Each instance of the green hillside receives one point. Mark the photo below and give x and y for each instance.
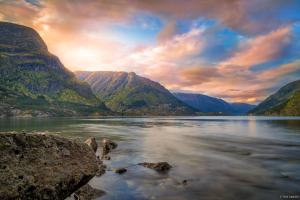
(34, 82)
(285, 102)
(130, 94)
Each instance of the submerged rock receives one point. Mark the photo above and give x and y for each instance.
(159, 167)
(92, 143)
(35, 166)
(120, 170)
(107, 146)
(184, 182)
(88, 193)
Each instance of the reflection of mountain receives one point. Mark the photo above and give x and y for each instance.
(286, 101)
(292, 124)
(131, 94)
(209, 104)
(34, 82)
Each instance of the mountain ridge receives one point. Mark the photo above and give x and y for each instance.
(208, 104)
(129, 93)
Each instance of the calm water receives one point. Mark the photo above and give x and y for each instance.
(220, 157)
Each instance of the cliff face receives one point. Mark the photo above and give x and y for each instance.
(35, 166)
(33, 81)
(131, 94)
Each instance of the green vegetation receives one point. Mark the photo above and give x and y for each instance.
(285, 102)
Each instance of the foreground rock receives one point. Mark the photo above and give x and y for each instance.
(159, 167)
(35, 166)
(88, 193)
(92, 143)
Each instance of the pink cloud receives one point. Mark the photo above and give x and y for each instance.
(177, 48)
(279, 72)
(261, 49)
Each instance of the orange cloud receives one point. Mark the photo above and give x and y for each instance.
(198, 75)
(18, 11)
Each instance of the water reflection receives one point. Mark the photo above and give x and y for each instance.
(220, 157)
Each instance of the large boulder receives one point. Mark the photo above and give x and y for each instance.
(39, 166)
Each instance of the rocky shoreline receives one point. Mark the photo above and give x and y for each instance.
(42, 166)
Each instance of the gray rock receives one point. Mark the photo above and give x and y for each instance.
(92, 143)
(120, 170)
(159, 167)
(40, 166)
(107, 146)
(184, 182)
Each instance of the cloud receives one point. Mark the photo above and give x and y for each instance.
(251, 17)
(180, 46)
(243, 85)
(278, 73)
(168, 31)
(18, 11)
(198, 75)
(232, 79)
(162, 62)
(261, 49)
(80, 33)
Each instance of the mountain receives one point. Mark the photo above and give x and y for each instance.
(35, 82)
(286, 101)
(241, 108)
(209, 104)
(130, 94)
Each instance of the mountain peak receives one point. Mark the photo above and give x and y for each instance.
(15, 36)
(129, 93)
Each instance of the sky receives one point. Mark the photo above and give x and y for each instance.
(238, 50)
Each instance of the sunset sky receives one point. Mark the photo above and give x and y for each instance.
(239, 50)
